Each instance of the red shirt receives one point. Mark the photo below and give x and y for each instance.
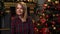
(18, 27)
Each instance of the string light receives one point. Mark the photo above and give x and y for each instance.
(43, 14)
(56, 2)
(40, 16)
(37, 30)
(53, 15)
(49, 0)
(52, 25)
(54, 28)
(45, 4)
(38, 24)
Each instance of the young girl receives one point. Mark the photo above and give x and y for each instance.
(21, 23)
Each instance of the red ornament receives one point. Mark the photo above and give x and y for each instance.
(43, 20)
(48, 6)
(35, 28)
(46, 24)
(47, 16)
(44, 7)
(41, 17)
(57, 14)
(45, 30)
(53, 22)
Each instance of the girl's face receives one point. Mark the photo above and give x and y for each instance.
(19, 9)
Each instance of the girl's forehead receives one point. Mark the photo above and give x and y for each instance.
(19, 5)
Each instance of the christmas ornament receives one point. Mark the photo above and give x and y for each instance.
(47, 16)
(53, 22)
(35, 28)
(48, 6)
(46, 25)
(43, 20)
(44, 7)
(45, 30)
(57, 14)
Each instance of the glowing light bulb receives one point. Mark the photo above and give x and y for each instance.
(56, 2)
(38, 24)
(49, 0)
(37, 30)
(43, 14)
(45, 4)
(52, 25)
(53, 14)
(54, 28)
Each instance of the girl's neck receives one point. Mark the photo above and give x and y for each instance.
(22, 19)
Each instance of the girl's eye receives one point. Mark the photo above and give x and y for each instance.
(17, 8)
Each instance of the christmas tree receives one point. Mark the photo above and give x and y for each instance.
(48, 21)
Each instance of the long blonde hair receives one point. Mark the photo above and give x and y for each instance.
(24, 8)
